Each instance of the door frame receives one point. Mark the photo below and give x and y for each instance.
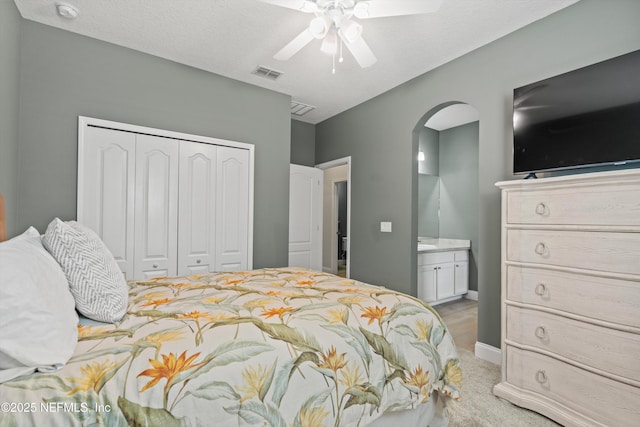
(334, 238)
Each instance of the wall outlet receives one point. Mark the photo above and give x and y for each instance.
(385, 227)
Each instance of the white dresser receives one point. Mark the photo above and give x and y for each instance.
(571, 297)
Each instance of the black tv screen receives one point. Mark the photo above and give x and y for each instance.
(586, 117)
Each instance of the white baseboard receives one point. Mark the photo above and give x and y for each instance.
(472, 295)
(488, 353)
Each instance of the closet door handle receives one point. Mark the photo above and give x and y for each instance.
(541, 208)
(541, 248)
(540, 289)
(541, 376)
(541, 332)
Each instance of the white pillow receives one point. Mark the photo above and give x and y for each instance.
(95, 280)
(39, 325)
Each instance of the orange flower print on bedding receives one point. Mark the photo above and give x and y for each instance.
(374, 313)
(313, 417)
(332, 361)
(157, 302)
(88, 330)
(255, 380)
(169, 368)
(196, 315)
(418, 378)
(281, 311)
(453, 373)
(92, 377)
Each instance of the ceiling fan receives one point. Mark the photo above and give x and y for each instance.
(335, 23)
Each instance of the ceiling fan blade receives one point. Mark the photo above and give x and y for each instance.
(383, 8)
(361, 52)
(299, 5)
(301, 40)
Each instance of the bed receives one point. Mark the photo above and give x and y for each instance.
(267, 347)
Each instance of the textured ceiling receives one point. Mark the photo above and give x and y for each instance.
(233, 37)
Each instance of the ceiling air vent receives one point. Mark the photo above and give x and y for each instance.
(299, 109)
(267, 73)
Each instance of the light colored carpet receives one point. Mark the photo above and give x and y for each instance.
(478, 407)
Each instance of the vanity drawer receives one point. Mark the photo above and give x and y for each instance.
(604, 400)
(435, 257)
(603, 251)
(606, 349)
(607, 299)
(461, 255)
(605, 204)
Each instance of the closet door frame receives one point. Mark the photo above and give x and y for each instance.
(86, 122)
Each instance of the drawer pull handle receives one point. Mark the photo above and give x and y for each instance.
(198, 261)
(540, 289)
(541, 248)
(540, 332)
(155, 265)
(541, 376)
(541, 208)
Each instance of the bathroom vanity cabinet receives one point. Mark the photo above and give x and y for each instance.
(443, 274)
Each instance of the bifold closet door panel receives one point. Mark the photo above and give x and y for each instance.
(232, 210)
(156, 211)
(197, 208)
(106, 191)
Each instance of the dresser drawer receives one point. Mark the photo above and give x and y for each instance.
(611, 300)
(606, 349)
(602, 251)
(604, 400)
(605, 204)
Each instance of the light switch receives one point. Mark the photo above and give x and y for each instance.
(385, 227)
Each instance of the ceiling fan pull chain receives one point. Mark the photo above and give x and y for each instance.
(333, 71)
(341, 59)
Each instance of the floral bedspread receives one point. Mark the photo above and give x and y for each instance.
(270, 347)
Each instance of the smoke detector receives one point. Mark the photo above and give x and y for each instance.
(67, 11)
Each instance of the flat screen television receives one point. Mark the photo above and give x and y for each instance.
(586, 117)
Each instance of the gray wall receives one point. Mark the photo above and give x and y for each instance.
(381, 136)
(429, 206)
(429, 183)
(9, 101)
(64, 75)
(459, 189)
(429, 144)
(303, 143)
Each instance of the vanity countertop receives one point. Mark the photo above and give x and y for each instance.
(431, 244)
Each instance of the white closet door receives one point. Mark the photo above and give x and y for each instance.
(197, 203)
(232, 210)
(106, 191)
(156, 207)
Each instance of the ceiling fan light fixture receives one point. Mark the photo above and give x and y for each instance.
(319, 27)
(330, 43)
(361, 10)
(309, 7)
(350, 30)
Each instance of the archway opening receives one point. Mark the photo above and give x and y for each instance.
(446, 148)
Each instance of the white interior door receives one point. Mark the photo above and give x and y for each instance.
(106, 191)
(156, 222)
(232, 210)
(196, 208)
(305, 217)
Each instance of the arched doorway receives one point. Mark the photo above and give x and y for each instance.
(447, 152)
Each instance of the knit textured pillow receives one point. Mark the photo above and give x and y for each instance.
(95, 280)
